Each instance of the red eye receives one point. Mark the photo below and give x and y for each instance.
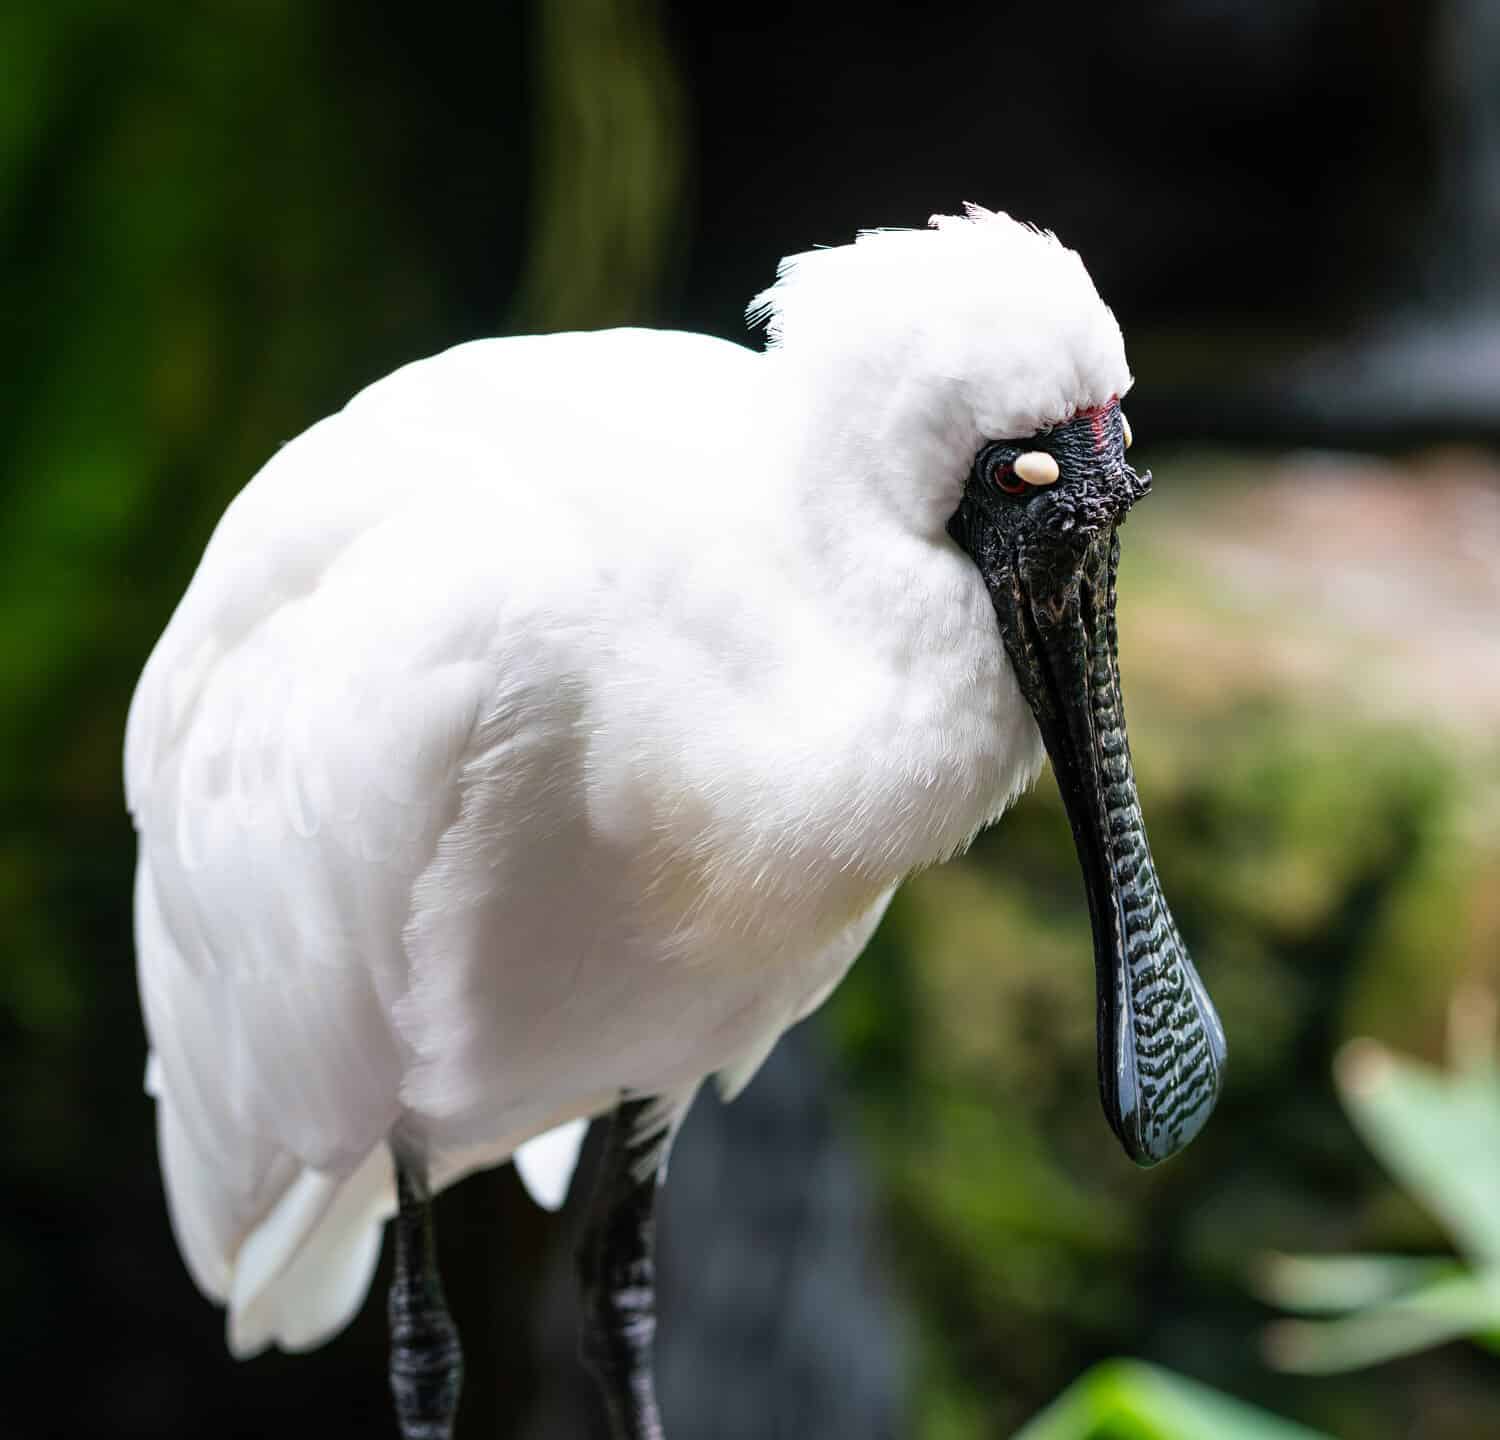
(1008, 480)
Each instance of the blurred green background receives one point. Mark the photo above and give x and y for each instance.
(219, 221)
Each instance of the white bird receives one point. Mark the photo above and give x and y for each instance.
(548, 730)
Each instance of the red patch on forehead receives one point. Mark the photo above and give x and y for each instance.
(1098, 418)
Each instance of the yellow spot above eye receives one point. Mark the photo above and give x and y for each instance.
(1036, 467)
(1125, 426)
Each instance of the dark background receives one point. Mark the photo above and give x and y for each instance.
(217, 222)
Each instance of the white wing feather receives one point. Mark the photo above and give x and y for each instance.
(294, 754)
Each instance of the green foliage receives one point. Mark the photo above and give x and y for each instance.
(1125, 1400)
(1439, 1134)
(610, 166)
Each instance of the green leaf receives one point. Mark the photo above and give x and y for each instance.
(1328, 1284)
(1456, 1308)
(1129, 1400)
(1439, 1134)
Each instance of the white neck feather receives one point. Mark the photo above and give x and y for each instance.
(912, 733)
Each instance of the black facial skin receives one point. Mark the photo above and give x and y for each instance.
(1048, 556)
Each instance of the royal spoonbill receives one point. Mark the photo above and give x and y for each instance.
(548, 730)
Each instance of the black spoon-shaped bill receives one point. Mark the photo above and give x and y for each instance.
(1049, 561)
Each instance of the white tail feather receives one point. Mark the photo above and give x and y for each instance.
(302, 1273)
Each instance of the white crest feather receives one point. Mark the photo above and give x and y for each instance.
(998, 307)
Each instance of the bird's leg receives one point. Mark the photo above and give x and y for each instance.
(427, 1363)
(617, 1267)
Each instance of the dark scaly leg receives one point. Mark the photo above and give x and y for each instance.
(427, 1363)
(617, 1267)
